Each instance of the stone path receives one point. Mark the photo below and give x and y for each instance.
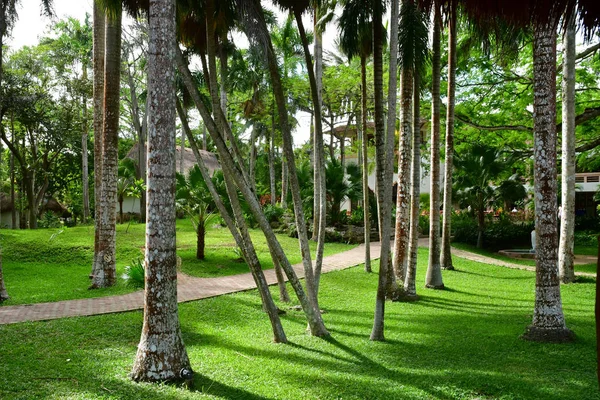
(190, 288)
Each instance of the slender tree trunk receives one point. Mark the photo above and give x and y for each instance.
(319, 156)
(446, 255)
(84, 154)
(121, 211)
(98, 98)
(241, 236)
(13, 211)
(415, 188)
(548, 320)
(161, 354)
(272, 163)
(433, 277)
(105, 274)
(142, 160)
(567, 226)
(28, 182)
(402, 198)
(313, 316)
(252, 160)
(284, 184)
(384, 154)
(181, 153)
(365, 163)
(200, 236)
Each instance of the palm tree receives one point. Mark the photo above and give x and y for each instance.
(104, 269)
(356, 35)
(445, 253)
(433, 277)
(122, 190)
(161, 354)
(239, 231)
(566, 271)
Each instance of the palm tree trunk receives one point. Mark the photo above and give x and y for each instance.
(241, 236)
(433, 278)
(567, 226)
(13, 211)
(161, 354)
(548, 319)
(98, 98)
(271, 156)
(320, 187)
(446, 255)
(252, 159)
(105, 273)
(314, 318)
(415, 189)
(365, 162)
(84, 153)
(384, 152)
(200, 236)
(284, 184)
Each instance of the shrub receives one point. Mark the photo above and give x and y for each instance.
(49, 220)
(134, 274)
(357, 217)
(499, 234)
(586, 238)
(273, 213)
(424, 224)
(586, 223)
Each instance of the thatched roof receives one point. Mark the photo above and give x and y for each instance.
(189, 160)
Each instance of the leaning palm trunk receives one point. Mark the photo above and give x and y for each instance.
(229, 167)
(161, 354)
(105, 273)
(98, 96)
(548, 319)
(446, 255)
(434, 273)
(365, 163)
(241, 236)
(320, 188)
(384, 153)
(567, 217)
(415, 192)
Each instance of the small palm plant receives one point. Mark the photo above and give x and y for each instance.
(195, 200)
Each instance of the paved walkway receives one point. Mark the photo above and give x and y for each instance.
(190, 288)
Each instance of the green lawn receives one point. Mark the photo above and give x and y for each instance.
(460, 343)
(54, 264)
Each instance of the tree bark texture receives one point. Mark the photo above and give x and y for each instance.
(566, 257)
(365, 163)
(245, 243)
(271, 155)
(410, 287)
(384, 154)
(105, 272)
(161, 354)
(404, 156)
(446, 255)
(434, 273)
(548, 319)
(98, 123)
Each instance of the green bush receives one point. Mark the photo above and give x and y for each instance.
(586, 238)
(357, 217)
(424, 224)
(49, 220)
(586, 223)
(498, 234)
(273, 213)
(134, 274)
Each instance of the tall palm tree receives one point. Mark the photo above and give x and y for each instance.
(445, 253)
(566, 271)
(356, 36)
(104, 269)
(383, 170)
(433, 277)
(161, 354)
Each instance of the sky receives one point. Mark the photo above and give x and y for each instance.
(32, 24)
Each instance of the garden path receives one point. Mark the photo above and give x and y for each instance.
(191, 288)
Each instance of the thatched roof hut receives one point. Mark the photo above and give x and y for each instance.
(189, 160)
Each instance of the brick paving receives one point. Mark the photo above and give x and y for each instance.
(190, 288)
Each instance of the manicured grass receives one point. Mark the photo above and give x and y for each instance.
(54, 264)
(459, 343)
